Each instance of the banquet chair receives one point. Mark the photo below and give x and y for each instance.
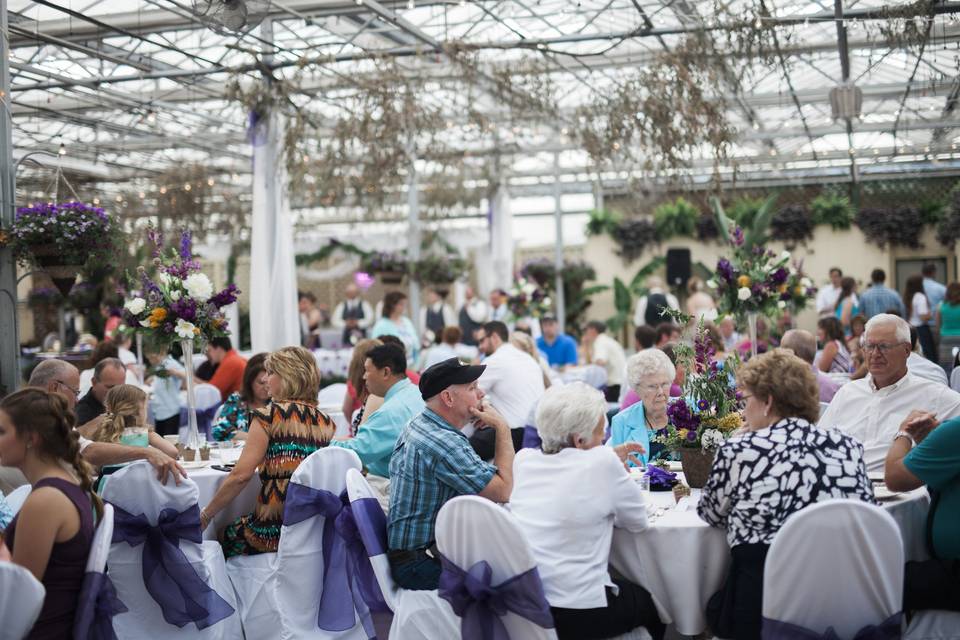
(955, 379)
(934, 625)
(178, 561)
(17, 497)
(823, 408)
(477, 535)
(332, 395)
(21, 598)
(98, 601)
(835, 564)
(417, 615)
(279, 593)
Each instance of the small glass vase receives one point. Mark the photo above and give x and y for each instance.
(752, 327)
(193, 435)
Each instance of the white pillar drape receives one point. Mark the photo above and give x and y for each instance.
(501, 239)
(274, 318)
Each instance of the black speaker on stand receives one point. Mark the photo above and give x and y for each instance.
(678, 267)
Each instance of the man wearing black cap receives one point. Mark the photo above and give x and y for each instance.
(434, 462)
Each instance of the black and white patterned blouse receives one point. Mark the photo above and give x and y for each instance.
(761, 477)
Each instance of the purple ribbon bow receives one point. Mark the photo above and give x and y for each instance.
(169, 577)
(889, 629)
(660, 477)
(349, 582)
(96, 607)
(204, 418)
(480, 605)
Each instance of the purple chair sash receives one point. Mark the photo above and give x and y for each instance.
(168, 576)
(96, 607)
(889, 629)
(480, 605)
(349, 582)
(204, 418)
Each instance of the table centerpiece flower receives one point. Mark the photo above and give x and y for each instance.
(707, 413)
(526, 299)
(178, 305)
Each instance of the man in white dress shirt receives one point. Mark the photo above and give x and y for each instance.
(827, 296)
(512, 382)
(498, 305)
(353, 316)
(606, 352)
(872, 409)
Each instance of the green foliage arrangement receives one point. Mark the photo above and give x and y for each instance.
(677, 218)
(602, 221)
(833, 209)
(744, 211)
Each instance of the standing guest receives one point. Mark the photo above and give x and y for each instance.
(473, 314)
(644, 337)
(165, 391)
(649, 309)
(358, 398)
(512, 383)
(435, 315)
(847, 304)
(650, 374)
(872, 409)
(280, 437)
(778, 465)
(354, 316)
(228, 377)
(572, 546)
(804, 346)
(52, 533)
(604, 351)
(310, 319)
(728, 329)
(233, 421)
(126, 408)
(498, 305)
(880, 298)
(926, 451)
(919, 313)
(921, 367)
(835, 358)
(384, 375)
(700, 305)
(828, 294)
(667, 332)
(948, 323)
(934, 290)
(108, 373)
(560, 349)
(433, 462)
(112, 320)
(395, 323)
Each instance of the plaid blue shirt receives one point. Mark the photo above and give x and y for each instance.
(878, 298)
(432, 463)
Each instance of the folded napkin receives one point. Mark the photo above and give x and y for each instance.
(660, 478)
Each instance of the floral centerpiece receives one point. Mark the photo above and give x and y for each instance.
(65, 238)
(527, 300)
(390, 265)
(179, 305)
(707, 413)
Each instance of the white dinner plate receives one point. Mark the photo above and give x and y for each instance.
(880, 492)
(875, 476)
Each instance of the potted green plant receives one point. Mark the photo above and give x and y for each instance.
(438, 269)
(390, 266)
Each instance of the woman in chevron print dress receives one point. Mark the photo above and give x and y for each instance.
(281, 436)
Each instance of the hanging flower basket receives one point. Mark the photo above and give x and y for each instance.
(389, 267)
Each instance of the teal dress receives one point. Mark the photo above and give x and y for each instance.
(233, 417)
(854, 310)
(630, 425)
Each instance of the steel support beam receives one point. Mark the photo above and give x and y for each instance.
(9, 326)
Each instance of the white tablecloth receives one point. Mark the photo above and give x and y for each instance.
(682, 561)
(209, 480)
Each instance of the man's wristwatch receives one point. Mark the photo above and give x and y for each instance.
(904, 434)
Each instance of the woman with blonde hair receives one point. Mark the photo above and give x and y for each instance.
(125, 421)
(524, 342)
(280, 437)
(778, 464)
(52, 533)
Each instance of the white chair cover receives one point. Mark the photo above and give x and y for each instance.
(955, 379)
(823, 407)
(21, 598)
(135, 489)
(17, 497)
(837, 563)
(471, 529)
(93, 579)
(279, 593)
(332, 396)
(934, 625)
(206, 396)
(417, 615)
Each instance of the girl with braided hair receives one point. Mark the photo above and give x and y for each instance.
(52, 533)
(126, 407)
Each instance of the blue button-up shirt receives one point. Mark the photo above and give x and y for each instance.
(165, 399)
(432, 463)
(879, 299)
(377, 436)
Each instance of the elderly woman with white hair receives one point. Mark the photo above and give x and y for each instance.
(650, 374)
(567, 496)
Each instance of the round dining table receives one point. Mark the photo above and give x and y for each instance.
(209, 479)
(682, 561)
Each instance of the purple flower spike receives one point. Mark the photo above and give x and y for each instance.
(186, 246)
